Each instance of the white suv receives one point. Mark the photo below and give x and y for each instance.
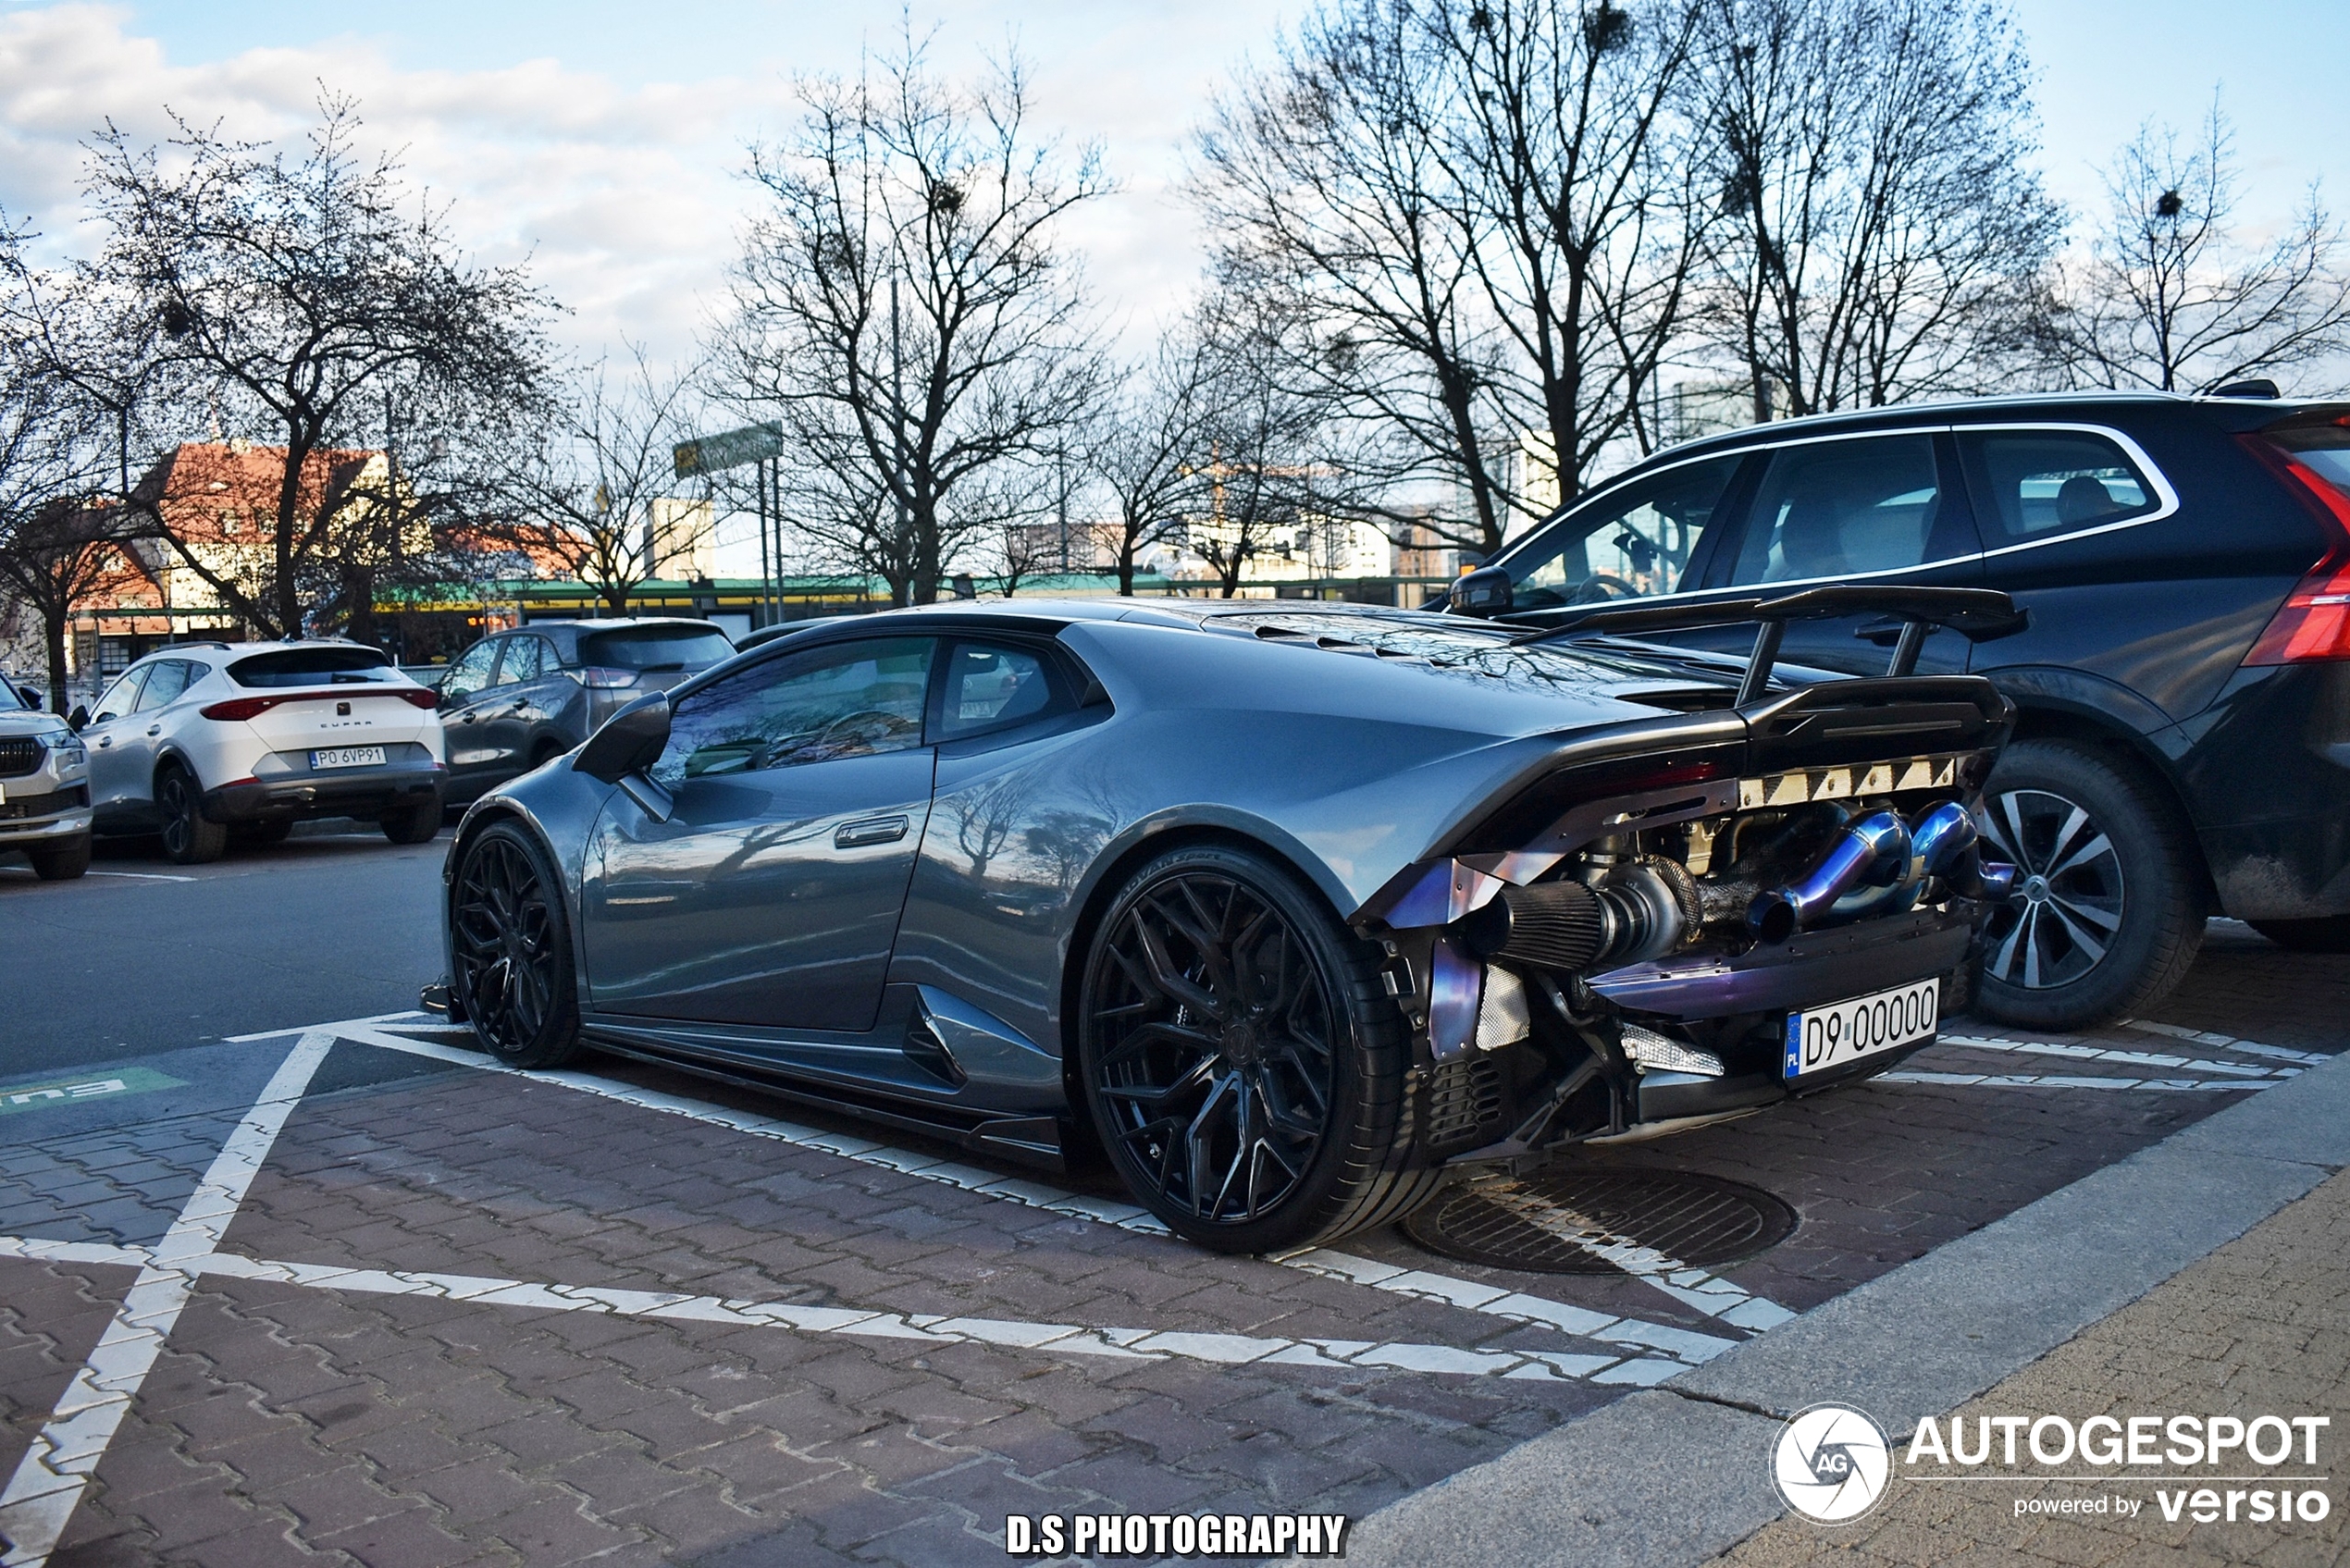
(45, 790)
(199, 739)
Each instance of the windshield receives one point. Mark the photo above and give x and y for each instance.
(311, 667)
(655, 647)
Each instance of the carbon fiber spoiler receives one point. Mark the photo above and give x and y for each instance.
(1977, 615)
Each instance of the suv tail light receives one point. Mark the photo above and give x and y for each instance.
(2314, 622)
(253, 707)
(598, 679)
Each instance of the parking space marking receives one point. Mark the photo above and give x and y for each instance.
(1688, 1346)
(2227, 1043)
(1065, 1338)
(2108, 1054)
(145, 876)
(48, 1483)
(2030, 1080)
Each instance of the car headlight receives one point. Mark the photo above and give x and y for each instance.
(67, 748)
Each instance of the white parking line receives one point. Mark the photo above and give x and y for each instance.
(145, 876)
(1689, 1345)
(2028, 1080)
(2227, 1042)
(49, 1481)
(2108, 1053)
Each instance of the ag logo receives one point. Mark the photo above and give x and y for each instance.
(1831, 1463)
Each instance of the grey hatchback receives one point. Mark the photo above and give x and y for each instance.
(516, 698)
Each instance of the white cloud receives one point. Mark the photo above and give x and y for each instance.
(625, 200)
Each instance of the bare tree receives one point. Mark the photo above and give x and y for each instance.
(1262, 464)
(1884, 223)
(1150, 447)
(62, 537)
(905, 310)
(310, 300)
(1487, 208)
(2171, 300)
(594, 497)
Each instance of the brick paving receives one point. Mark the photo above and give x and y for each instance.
(2258, 1326)
(287, 1423)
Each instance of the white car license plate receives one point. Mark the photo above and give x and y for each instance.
(1842, 1033)
(348, 757)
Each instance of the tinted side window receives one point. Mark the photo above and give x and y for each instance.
(2046, 482)
(990, 686)
(849, 699)
(1831, 509)
(165, 682)
(526, 659)
(471, 672)
(1626, 546)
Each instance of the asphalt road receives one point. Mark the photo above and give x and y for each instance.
(142, 955)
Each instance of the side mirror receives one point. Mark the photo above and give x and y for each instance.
(629, 741)
(79, 719)
(1485, 593)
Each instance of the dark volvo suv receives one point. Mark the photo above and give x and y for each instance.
(2183, 687)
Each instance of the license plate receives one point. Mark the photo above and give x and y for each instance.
(348, 757)
(1843, 1032)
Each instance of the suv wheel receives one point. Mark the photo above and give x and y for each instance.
(415, 824)
(188, 838)
(1242, 1065)
(2108, 909)
(60, 862)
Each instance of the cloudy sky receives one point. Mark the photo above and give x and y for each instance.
(604, 140)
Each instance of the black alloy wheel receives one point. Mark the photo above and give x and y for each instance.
(188, 838)
(1242, 1065)
(2108, 910)
(511, 947)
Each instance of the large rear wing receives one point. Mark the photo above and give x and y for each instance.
(1977, 615)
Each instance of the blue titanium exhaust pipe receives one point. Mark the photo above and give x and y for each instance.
(1874, 850)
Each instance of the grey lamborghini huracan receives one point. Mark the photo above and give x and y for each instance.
(1285, 909)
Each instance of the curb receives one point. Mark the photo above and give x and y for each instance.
(1679, 1473)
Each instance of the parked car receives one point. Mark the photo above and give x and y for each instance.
(2182, 692)
(1289, 909)
(199, 741)
(516, 698)
(45, 787)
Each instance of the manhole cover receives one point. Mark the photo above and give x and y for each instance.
(1603, 1221)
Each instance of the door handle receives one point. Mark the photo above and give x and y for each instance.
(870, 830)
(155, 729)
(105, 741)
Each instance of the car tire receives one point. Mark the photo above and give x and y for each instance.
(414, 824)
(188, 837)
(1222, 999)
(2324, 934)
(2110, 905)
(60, 862)
(510, 940)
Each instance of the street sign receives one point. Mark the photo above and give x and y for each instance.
(753, 443)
